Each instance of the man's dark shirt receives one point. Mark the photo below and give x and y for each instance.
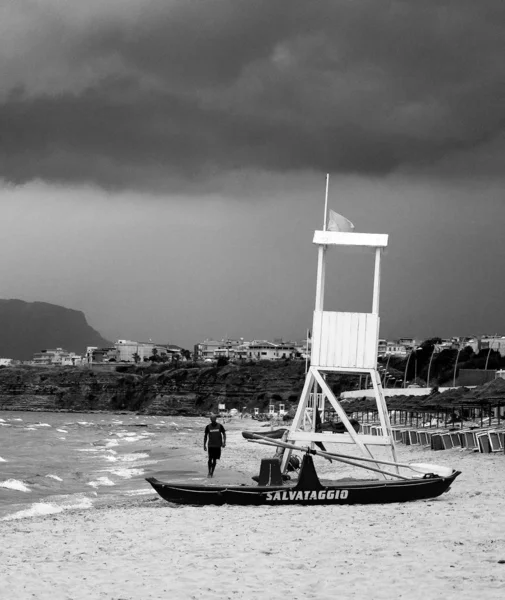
(215, 431)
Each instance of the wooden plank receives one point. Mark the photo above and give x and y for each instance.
(361, 341)
(321, 274)
(371, 341)
(376, 282)
(346, 336)
(353, 342)
(327, 338)
(333, 320)
(339, 339)
(338, 438)
(317, 327)
(344, 370)
(344, 238)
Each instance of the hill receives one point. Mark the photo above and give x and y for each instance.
(28, 327)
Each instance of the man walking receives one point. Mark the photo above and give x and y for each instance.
(215, 434)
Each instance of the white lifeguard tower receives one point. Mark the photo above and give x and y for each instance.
(342, 342)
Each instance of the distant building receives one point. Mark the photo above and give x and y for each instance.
(99, 355)
(89, 354)
(235, 353)
(492, 342)
(212, 349)
(396, 349)
(132, 351)
(56, 356)
(409, 343)
(205, 350)
(6, 362)
(387, 348)
(459, 343)
(72, 360)
(264, 350)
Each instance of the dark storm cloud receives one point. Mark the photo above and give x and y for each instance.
(128, 94)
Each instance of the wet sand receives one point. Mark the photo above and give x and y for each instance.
(450, 547)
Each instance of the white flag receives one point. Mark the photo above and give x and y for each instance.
(337, 222)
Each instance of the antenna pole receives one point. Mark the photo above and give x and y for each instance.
(326, 201)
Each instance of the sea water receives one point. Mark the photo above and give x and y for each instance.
(51, 462)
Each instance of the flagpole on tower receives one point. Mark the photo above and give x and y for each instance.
(326, 201)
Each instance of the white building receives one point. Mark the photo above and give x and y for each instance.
(493, 342)
(264, 350)
(56, 356)
(396, 349)
(212, 349)
(205, 350)
(236, 353)
(131, 351)
(409, 343)
(72, 360)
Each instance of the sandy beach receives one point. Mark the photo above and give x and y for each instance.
(451, 547)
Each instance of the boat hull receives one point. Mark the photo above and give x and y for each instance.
(348, 492)
(275, 434)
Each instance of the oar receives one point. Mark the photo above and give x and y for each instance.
(270, 442)
(418, 467)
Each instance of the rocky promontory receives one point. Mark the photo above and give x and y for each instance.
(29, 327)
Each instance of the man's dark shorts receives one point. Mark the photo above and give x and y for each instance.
(215, 453)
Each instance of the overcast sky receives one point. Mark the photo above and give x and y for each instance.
(162, 162)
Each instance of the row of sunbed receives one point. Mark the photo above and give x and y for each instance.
(485, 440)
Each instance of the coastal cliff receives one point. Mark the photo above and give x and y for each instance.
(194, 390)
(153, 389)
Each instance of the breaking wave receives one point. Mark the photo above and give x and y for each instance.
(15, 484)
(50, 508)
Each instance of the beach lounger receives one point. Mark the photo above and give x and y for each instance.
(397, 435)
(483, 442)
(414, 438)
(456, 440)
(447, 441)
(470, 440)
(424, 438)
(495, 441)
(376, 430)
